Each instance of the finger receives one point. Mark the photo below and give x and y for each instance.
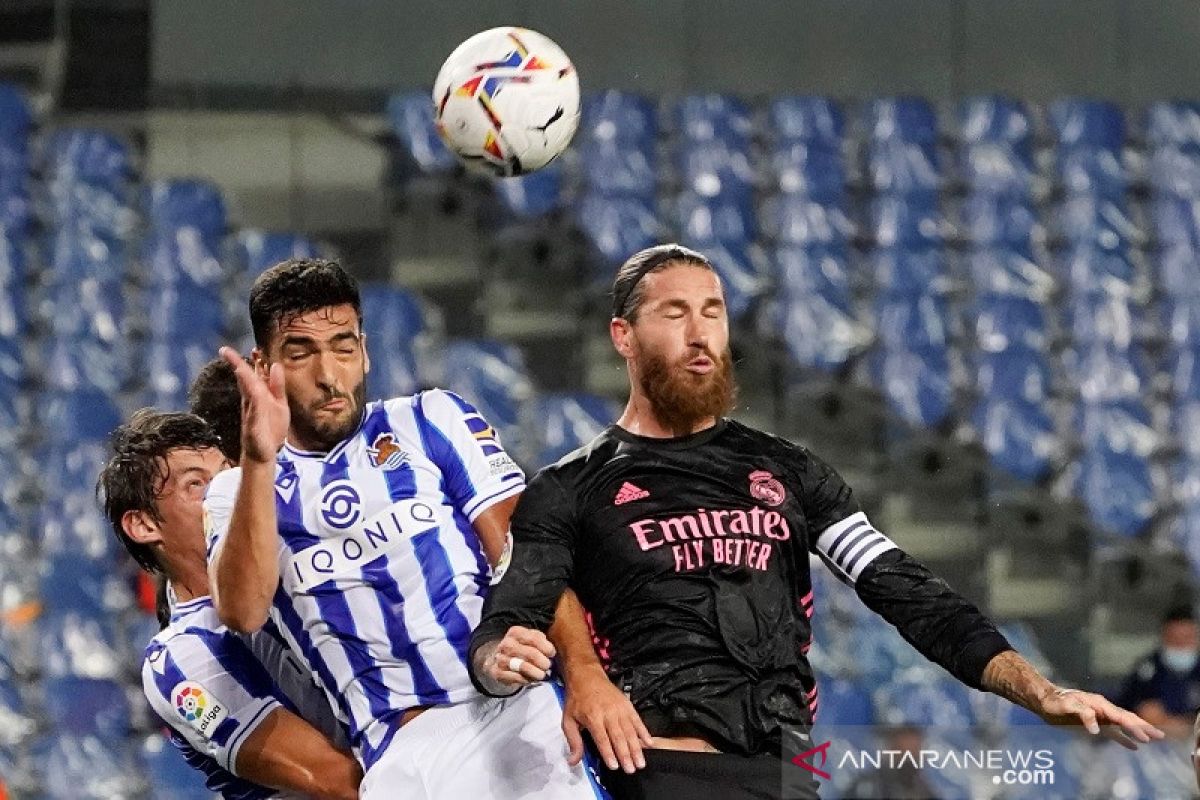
(640, 727)
(535, 639)
(574, 740)
(530, 655)
(621, 746)
(510, 678)
(275, 381)
(633, 740)
(604, 746)
(1088, 717)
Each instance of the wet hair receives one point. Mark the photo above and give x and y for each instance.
(214, 397)
(298, 286)
(137, 470)
(627, 289)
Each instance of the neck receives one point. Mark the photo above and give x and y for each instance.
(189, 580)
(639, 419)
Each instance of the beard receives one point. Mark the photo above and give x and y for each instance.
(324, 434)
(681, 399)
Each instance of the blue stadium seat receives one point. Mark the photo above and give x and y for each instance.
(797, 220)
(1103, 372)
(1098, 318)
(1174, 123)
(1092, 171)
(1093, 270)
(1000, 220)
(168, 773)
(75, 254)
(1184, 368)
(943, 703)
(16, 118)
(397, 330)
(807, 119)
(991, 118)
(87, 706)
(845, 702)
(1003, 322)
(997, 168)
(728, 219)
(78, 767)
(1014, 373)
(823, 271)
(1076, 121)
(1018, 435)
(75, 416)
(905, 119)
(617, 227)
(92, 210)
(493, 375)
(1117, 490)
(567, 422)
(16, 212)
(907, 220)
(256, 250)
(1181, 319)
(740, 278)
(1175, 171)
(1176, 220)
(79, 644)
(612, 167)
(903, 167)
(16, 721)
(1102, 221)
(72, 582)
(1119, 426)
(820, 332)
(707, 117)
(182, 256)
(616, 116)
(811, 170)
(533, 195)
(170, 368)
(716, 167)
(916, 384)
(1185, 428)
(411, 118)
(999, 270)
(87, 308)
(177, 203)
(81, 155)
(913, 321)
(879, 653)
(84, 364)
(910, 271)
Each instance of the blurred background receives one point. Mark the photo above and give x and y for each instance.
(959, 241)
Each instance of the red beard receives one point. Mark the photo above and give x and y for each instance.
(681, 399)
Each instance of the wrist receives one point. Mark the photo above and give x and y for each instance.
(580, 673)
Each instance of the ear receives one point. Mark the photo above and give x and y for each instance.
(141, 527)
(366, 355)
(621, 333)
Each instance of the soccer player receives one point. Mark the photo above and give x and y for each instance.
(237, 706)
(687, 537)
(370, 533)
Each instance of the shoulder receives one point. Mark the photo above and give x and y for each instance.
(440, 402)
(581, 462)
(749, 439)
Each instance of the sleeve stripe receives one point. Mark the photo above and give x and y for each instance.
(484, 503)
(852, 544)
(235, 744)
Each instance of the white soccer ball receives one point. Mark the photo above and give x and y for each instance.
(507, 101)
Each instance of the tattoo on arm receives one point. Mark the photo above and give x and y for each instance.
(1015, 679)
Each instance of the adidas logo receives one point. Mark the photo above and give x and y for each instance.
(628, 493)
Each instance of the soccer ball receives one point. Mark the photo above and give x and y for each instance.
(507, 101)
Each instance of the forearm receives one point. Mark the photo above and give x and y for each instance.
(287, 753)
(246, 568)
(1009, 675)
(572, 638)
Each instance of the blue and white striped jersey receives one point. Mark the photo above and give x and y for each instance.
(213, 687)
(382, 574)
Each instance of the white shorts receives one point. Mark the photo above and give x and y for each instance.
(483, 749)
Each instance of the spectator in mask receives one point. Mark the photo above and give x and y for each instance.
(1164, 687)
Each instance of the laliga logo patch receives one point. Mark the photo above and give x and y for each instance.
(198, 707)
(764, 487)
(385, 453)
(340, 505)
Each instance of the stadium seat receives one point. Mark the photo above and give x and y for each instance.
(1183, 367)
(819, 331)
(84, 645)
(1117, 490)
(913, 321)
(902, 167)
(845, 702)
(910, 271)
(906, 119)
(257, 250)
(716, 167)
(184, 256)
(87, 706)
(741, 280)
(1098, 318)
(70, 581)
(1120, 426)
(411, 118)
(1101, 221)
(567, 421)
(1017, 435)
(1092, 123)
(177, 203)
(992, 220)
(612, 167)
(996, 168)
(1181, 319)
(16, 118)
(797, 220)
(1173, 123)
(907, 221)
(728, 219)
(807, 119)
(998, 270)
(493, 375)
(1175, 171)
(169, 775)
(811, 170)
(1013, 373)
(68, 466)
(991, 118)
(943, 703)
(824, 271)
(710, 117)
(1002, 322)
(1103, 373)
(533, 195)
(1092, 270)
(916, 384)
(81, 155)
(75, 767)
(616, 116)
(87, 308)
(398, 337)
(879, 654)
(74, 527)
(1092, 172)
(92, 210)
(1176, 221)
(1177, 268)
(16, 721)
(617, 227)
(81, 254)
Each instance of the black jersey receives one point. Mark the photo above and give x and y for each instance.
(692, 556)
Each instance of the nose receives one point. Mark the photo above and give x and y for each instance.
(697, 332)
(326, 374)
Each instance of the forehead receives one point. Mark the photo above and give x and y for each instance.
(180, 459)
(320, 323)
(681, 281)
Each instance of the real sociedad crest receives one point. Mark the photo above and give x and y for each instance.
(385, 453)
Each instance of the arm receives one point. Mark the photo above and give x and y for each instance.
(285, 752)
(492, 528)
(245, 568)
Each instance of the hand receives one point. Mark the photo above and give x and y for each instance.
(1097, 715)
(265, 413)
(594, 704)
(522, 657)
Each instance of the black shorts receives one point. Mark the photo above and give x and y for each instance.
(683, 775)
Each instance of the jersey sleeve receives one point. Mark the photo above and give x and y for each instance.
(218, 507)
(478, 472)
(210, 690)
(543, 550)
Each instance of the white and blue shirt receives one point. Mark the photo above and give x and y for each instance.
(214, 687)
(382, 576)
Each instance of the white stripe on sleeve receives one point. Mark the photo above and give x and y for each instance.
(852, 544)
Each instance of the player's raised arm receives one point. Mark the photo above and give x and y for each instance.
(245, 568)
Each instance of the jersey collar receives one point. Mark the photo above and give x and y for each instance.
(337, 448)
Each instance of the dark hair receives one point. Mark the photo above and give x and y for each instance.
(1179, 613)
(137, 470)
(214, 397)
(295, 287)
(627, 289)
